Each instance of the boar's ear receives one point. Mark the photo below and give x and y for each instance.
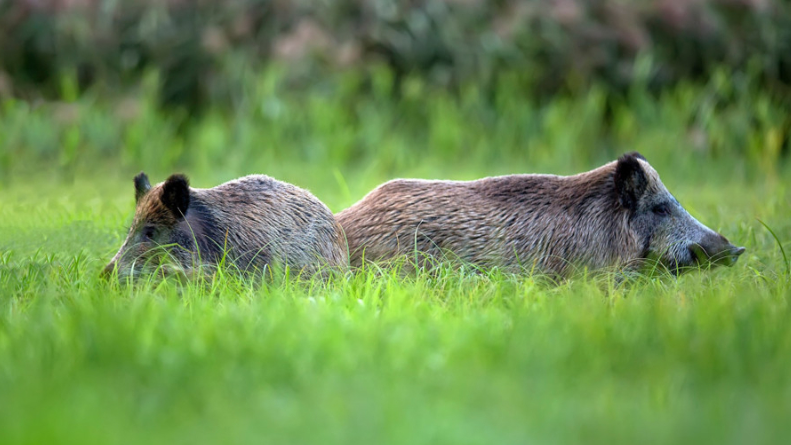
(142, 186)
(634, 154)
(176, 195)
(630, 180)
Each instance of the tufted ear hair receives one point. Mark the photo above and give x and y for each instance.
(142, 186)
(176, 195)
(630, 180)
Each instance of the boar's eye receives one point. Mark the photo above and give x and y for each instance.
(148, 233)
(661, 210)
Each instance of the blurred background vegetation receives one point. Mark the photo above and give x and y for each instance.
(545, 47)
(354, 85)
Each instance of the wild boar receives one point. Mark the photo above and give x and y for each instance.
(253, 223)
(618, 216)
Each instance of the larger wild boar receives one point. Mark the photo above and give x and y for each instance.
(253, 223)
(614, 217)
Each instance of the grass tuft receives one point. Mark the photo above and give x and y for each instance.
(786, 262)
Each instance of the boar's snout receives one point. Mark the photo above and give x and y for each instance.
(107, 271)
(715, 250)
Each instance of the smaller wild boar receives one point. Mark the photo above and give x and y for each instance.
(253, 222)
(618, 216)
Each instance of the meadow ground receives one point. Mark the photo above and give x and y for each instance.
(451, 357)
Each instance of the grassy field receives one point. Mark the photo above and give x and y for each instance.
(452, 357)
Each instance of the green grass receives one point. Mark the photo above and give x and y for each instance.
(451, 357)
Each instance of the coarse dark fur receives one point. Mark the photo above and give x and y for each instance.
(253, 222)
(616, 216)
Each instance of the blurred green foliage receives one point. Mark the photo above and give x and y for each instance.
(362, 138)
(355, 81)
(543, 47)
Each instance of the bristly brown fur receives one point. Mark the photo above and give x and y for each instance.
(545, 223)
